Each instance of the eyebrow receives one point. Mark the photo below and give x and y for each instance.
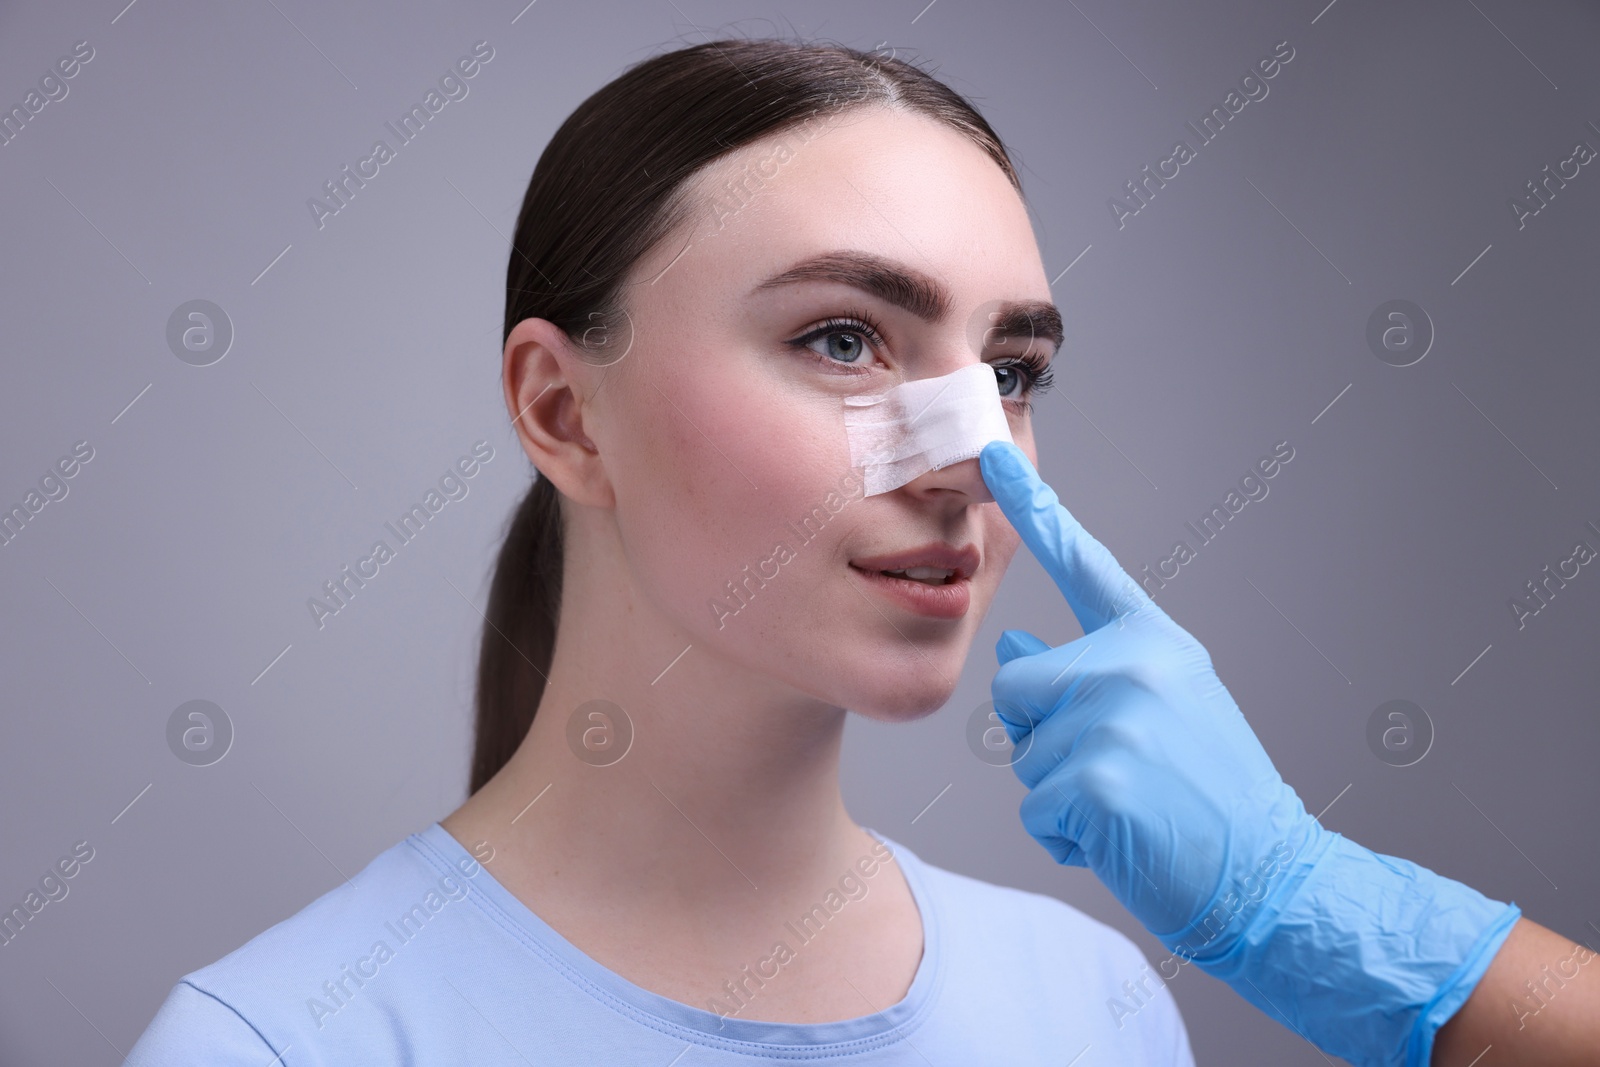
(920, 294)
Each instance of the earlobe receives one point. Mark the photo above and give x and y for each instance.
(546, 400)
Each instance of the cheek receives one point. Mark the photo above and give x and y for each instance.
(1022, 435)
(1000, 543)
(730, 435)
(715, 475)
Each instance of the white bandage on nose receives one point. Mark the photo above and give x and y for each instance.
(923, 425)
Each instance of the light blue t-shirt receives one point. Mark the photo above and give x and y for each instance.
(425, 959)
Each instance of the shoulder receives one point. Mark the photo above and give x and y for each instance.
(291, 977)
(397, 893)
(194, 1027)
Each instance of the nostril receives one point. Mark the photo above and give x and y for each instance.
(963, 476)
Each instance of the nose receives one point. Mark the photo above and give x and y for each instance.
(963, 478)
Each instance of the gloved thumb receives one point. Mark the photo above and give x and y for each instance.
(1014, 643)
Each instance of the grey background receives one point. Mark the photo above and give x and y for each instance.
(1207, 329)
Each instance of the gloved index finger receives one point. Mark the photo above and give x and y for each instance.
(1096, 587)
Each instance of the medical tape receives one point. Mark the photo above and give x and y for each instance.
(923, 425)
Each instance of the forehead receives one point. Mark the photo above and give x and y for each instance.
(894, 183)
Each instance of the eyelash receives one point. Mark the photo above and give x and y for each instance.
(1038, 375)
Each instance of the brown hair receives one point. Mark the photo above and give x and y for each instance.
(611, 183)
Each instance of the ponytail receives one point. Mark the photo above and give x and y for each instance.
(519, 633)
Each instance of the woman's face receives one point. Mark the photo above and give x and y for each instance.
(722, 434)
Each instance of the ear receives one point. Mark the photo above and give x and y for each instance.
(547, 387)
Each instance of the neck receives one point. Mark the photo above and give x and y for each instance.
(729, 783)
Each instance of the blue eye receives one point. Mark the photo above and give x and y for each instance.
(851, 345)
(1035, 374)
(847, 340)
(1030, 376)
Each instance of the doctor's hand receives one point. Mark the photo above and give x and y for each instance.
(1141, 767)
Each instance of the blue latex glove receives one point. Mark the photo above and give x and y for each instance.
(1141, 767)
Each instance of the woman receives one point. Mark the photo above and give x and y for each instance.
(655, 864)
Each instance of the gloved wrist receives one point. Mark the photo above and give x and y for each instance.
(1365, 955)
(1262, 879)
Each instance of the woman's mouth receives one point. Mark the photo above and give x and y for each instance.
(945, 596)
(940, 592)
(931, 575)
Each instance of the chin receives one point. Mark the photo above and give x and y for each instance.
(906, 695)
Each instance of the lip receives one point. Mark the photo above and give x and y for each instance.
(964, 560)
(948, 601)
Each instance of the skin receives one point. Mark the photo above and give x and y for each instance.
(1557, 1024)
(680, 463)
